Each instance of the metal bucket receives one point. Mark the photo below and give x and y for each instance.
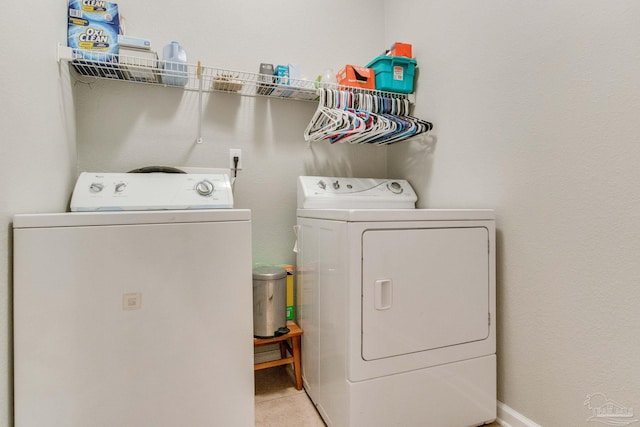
(269, 302)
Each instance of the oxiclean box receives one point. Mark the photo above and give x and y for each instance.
(92, 30)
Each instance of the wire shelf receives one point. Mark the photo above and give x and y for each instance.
(140, 66)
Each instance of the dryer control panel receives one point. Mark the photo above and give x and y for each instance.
(317, 192)
(150, 191)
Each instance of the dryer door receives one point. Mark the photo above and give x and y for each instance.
(423, 289)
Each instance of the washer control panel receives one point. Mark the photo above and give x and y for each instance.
(150, 191)
(317, 192)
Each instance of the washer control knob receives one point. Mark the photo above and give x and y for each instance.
(120, 187)
(204, 188)
(336, 185)
(395, 187)
(96, 187)
(322, 185)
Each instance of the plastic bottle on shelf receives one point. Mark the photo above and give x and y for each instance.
(174, 59)
(328, 78)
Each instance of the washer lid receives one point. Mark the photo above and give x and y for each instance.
(317, 192)
(150, 191)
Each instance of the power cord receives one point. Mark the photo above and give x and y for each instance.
(236, 159)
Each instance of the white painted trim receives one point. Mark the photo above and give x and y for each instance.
(508, 417)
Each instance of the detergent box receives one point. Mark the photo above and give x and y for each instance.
(282, 79)
(355, 76)
(291, 306)
(93, 27)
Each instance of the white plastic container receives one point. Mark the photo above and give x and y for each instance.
(174, 62)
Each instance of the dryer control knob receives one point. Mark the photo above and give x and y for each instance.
(96, 187)
(336, 185)
(322, 185)
(395, 187)
(204, 188)
(120, 187)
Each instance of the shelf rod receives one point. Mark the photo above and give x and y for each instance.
(64, 53)
(199, 138)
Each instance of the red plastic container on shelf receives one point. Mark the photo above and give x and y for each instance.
(401, 49)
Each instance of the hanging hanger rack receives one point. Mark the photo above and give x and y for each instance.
(350, 115)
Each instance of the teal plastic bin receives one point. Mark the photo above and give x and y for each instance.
(394, 73)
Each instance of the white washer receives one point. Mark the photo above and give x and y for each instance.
(397, 307)
(133, 319)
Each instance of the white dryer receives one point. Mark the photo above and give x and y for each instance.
(397, 306)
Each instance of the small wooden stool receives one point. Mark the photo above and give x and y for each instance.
(294, 349)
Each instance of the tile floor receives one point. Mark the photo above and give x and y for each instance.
(279, 404)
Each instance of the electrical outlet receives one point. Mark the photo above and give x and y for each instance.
(235, 152)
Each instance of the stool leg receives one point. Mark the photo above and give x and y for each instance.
(283, 350)
(297, 365)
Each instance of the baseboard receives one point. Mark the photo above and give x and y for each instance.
(508, 417)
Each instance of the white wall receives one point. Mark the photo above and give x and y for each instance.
(37, 146)
(535, 107)
(121, 126)
(124, 126)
